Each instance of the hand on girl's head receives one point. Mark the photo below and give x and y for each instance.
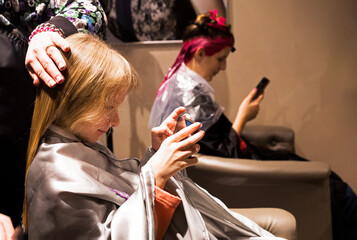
(44, 61)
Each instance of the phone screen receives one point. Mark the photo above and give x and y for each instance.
(189, 122)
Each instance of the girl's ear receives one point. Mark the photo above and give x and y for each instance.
(200, 54)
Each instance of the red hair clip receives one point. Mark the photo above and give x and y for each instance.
(221, 21)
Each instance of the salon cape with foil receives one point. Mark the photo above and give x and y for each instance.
(188, 89)
(77, 190)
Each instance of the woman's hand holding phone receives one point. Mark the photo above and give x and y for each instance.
(250, 106)
(260, 88)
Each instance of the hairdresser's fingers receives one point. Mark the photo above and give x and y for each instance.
(48, 64)
(60, 42)
(43, 56)
(36, 80)
(55, 54)
(38, 73)
(54, 70)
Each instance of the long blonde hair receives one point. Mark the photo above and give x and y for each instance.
(95, 75)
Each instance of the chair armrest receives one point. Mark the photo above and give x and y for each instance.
(279, 222)
(301, 188)
(233, 171)
(271, 137)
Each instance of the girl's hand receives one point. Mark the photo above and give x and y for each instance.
(172, 124)
(42, 57)
(247, 111)
(176, 153)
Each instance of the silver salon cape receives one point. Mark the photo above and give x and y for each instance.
(77, 190)
(188, 89)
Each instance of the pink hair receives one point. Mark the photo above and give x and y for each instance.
(211, 46)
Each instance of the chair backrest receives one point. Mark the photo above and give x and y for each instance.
(271, 137)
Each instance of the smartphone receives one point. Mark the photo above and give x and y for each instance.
(260, 87)
(189, 122)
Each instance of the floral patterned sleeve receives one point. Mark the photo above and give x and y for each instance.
(86, 15)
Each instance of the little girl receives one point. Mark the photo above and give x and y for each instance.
(76, 189)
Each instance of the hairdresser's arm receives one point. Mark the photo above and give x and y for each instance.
(85, 16)
(247, 111)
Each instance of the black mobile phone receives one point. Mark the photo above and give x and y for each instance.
(260, 87)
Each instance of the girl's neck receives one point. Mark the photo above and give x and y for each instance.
(194, 66)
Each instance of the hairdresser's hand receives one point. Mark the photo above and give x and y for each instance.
(6, 228)
(44, 61)
(247, 111)
(176, 153)
(172, 124)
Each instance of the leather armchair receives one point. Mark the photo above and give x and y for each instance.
(279, 222)
(301, 188)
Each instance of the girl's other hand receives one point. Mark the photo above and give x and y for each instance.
(176, 153)
(172, 124)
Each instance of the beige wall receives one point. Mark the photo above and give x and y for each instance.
(308, 50)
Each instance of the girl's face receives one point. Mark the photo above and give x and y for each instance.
(110, 118)
(212, 65)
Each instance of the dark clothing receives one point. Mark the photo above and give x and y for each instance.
(16, 97)
(221, 140)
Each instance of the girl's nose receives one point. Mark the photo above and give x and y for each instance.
(115, 119)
